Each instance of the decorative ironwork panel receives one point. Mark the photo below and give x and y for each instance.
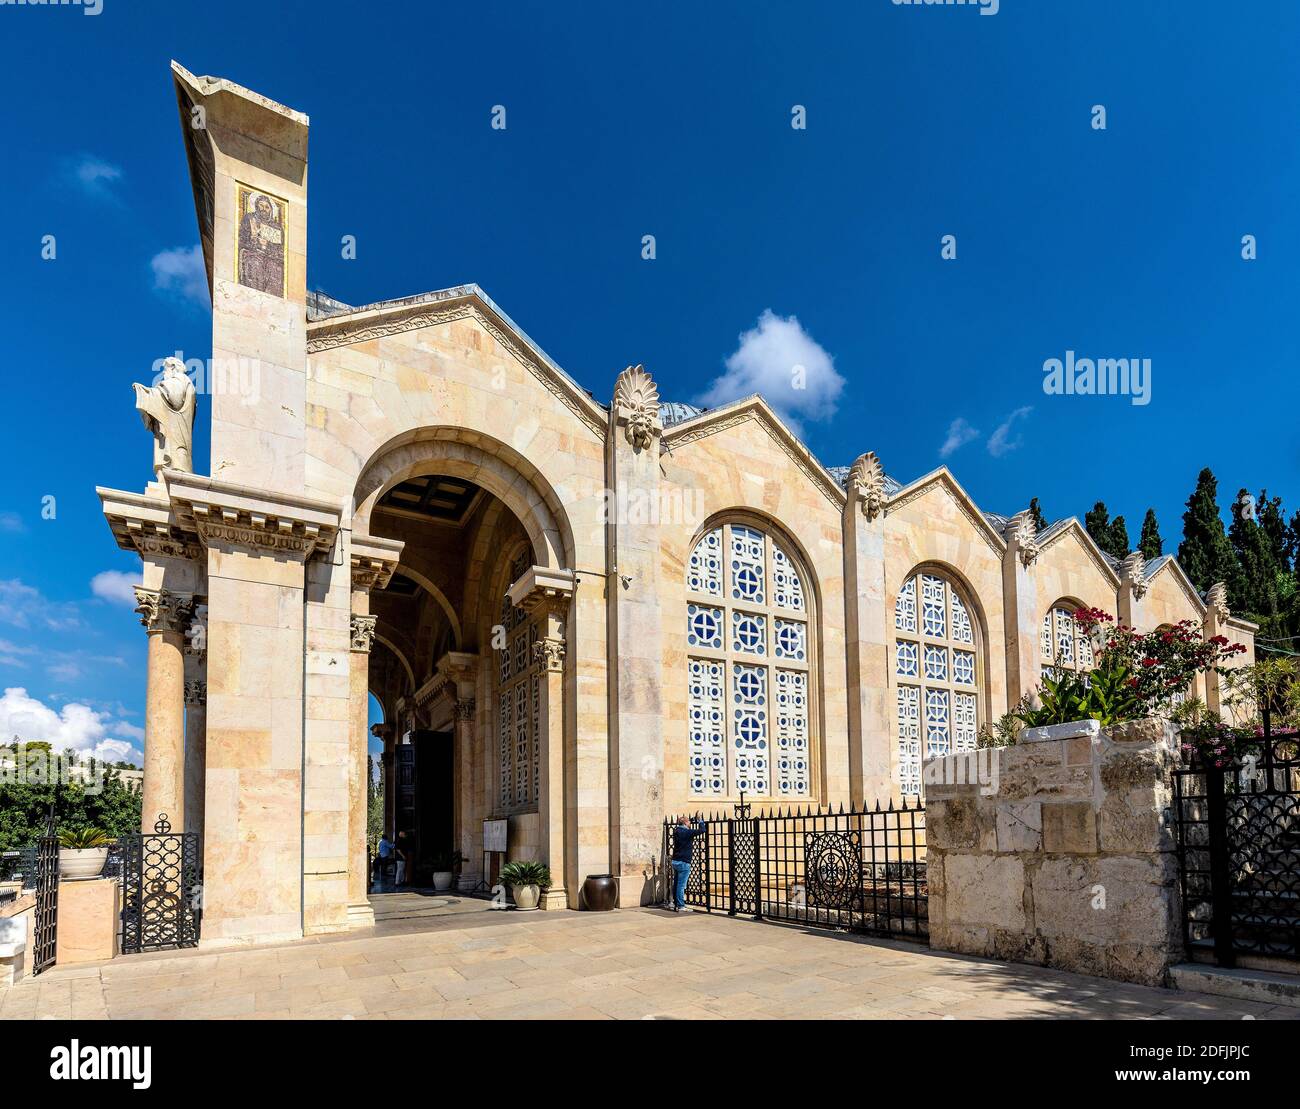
(46, 918)
(161, 889)
(833, 861)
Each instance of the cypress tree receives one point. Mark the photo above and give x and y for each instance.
(1097, 524)
(1151, 545)
(1255, 592)
(1040, 521)
(1118, 538)
(1205, 553)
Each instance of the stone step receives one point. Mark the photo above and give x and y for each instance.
(1245, 985)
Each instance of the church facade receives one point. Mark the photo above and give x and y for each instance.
(579, 613)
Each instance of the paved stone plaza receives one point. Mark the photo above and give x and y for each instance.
(450, 957)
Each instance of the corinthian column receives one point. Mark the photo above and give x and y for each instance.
(164, 615)
(360, 914)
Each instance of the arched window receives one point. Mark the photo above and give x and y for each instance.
(517, 702)
(749, 668)
(936, 669)
(1064, 644)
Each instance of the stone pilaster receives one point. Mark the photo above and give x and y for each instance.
(1020, 606)
(164, 616)
(196, 718)
(362, 633)
(870, 746)
(546, 595)
(469, 828)
(636, 740)
(1132, 588)
(1217, 614)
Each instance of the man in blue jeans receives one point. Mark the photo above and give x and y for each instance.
(684, 834)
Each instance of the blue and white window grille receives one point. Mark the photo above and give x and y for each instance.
(748, 667)
(1064, 645)
(936, 675)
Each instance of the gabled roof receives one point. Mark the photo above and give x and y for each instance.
(1049, 535)
(943, 476)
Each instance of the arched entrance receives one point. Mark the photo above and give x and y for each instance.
(468, 652)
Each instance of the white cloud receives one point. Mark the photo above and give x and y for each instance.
(22, 606)
(959, 434)
(1001, 442)
(12, 654)
(11, 522)
(183, 272)
(779, 359)
(74, 726)
(96, 176)
(117, 586)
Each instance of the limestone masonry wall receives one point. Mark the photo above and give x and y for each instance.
(1063, 857)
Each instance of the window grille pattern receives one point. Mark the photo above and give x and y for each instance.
(518, 706)
(936, 675)
(748, 667)
(1063, 644)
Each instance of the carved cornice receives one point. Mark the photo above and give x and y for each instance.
(226, 514)
(373, 561)
(549, 653)
(867, 483)
(755, 409)
(636, 407)
(362, 631)
(146, 525)
(542, 590)
(359, 327)
(161, 611)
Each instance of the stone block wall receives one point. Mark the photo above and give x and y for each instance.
(1063, 856)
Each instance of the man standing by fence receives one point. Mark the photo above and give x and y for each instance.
(683, 836)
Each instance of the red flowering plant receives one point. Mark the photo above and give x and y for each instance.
(1161, 663)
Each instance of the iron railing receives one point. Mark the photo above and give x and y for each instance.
(1238, 841)
(861, 869)
(45, 924)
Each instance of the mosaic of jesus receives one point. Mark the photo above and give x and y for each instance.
(260, 250)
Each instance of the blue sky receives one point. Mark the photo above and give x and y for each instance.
(673, 120)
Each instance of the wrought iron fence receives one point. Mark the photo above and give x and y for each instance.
(1238, 838)
(46, 917)
(860, 869)
(161, 889)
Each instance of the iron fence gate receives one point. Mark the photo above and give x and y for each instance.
(1238, 839)
(46, 917)
(861, 869)
(161, 890)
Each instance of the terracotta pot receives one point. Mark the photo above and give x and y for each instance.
(443, 879)
(84, 862)
(525, 896)
(599, 893)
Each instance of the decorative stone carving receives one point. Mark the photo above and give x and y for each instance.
(224, 514)
(1217, 599)
(161, 611)
(636, 404)
(549, 653)
(465, 709)
(1021, 531)
(167, 410)
(373, 561)
(867, 481)
(196, 693)
(363, 632)
(1133, 570)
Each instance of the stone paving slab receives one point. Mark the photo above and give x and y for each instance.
(633, 964)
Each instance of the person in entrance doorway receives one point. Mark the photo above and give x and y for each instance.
(684, 833)
(403, 850)
(384, 856)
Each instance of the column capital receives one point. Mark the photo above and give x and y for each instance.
(549, 652)
(161, 611)
(196, 692)
(466, 708)
(363, 633)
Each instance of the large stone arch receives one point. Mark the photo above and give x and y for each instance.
(489, 463)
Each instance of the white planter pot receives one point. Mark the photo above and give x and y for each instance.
(83, 862)
(525, 896)
(443, 879)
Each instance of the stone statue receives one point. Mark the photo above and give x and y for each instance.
(167, 410)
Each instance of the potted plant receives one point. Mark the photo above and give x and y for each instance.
(445, 866)
(526, 881)
(83, 852)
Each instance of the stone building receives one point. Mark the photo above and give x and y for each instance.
(577, 613)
